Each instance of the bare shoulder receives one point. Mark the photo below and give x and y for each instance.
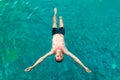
(65, 50)
(52, 50)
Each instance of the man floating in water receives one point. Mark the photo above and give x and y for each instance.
(58, 45)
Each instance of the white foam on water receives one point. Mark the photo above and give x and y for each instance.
(6, 4)
(36, 8)
(3, 8)
(114, 66)
(27, 3)
(14, 4)
(29, 16)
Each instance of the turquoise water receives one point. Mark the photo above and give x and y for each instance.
(92, 34)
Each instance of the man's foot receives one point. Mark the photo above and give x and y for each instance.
(60, 17)
(87, 70)
(28, 69)
(55, 11)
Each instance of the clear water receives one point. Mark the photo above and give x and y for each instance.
(92, 34)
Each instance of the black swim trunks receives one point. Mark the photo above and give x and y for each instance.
(60, 30)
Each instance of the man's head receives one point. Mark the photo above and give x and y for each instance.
(59, 56)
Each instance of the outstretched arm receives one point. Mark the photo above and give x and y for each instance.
(77, 60)
(38, 61)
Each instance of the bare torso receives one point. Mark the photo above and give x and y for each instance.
(58, 42)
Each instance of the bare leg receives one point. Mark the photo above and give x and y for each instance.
(54, 18)
(61, 21)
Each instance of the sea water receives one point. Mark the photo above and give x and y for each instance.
(92, 34)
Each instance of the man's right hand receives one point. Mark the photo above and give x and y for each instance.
(87, 70)
(28, 69)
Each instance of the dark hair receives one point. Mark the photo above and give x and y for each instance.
(58, 61)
